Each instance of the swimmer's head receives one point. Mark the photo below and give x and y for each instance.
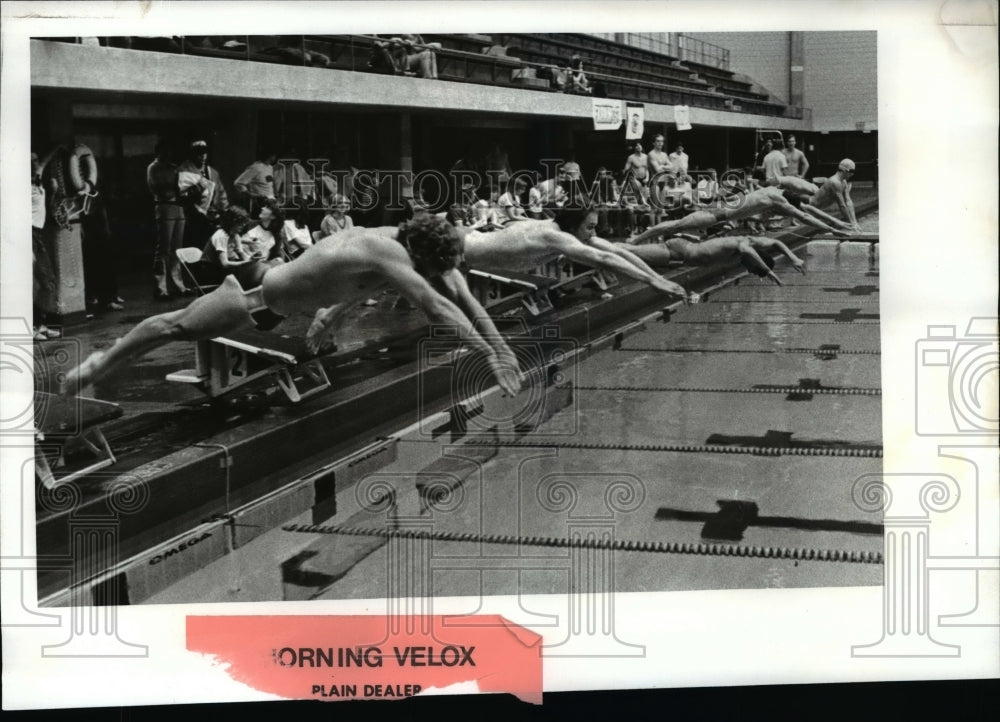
(753, 268)
(846, 165)
(435, 247)
(577, 220)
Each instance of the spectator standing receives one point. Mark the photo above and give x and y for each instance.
(635, 174)
(43, 277)
(758, 163)
(100, 259)
(205, 194)
(660, 169)
(257, 182)
(679, 160)
(659, 160)
(163, 182)
(775, 166)
(798, 166)
(292, 182)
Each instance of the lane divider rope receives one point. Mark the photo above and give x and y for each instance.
(860, 451)
(781, 321)
(816, 351)
(656, 547)
(825, 390)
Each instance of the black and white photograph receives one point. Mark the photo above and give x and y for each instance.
(408, 323)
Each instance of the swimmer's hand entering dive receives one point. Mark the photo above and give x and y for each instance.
(506, 371)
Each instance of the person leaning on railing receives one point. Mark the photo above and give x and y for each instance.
(410, 52)
(578, 82)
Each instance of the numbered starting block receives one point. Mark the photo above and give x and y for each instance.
(225, 364)
(492, 289)
(67, 429)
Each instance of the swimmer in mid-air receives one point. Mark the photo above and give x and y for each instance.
(784, 200)
(754, 252)
(333, 276)
(523, 246)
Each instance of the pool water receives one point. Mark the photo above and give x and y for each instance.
(716, 450)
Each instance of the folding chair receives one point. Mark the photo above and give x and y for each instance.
(200, 274)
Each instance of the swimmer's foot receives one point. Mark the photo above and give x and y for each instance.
(84, 374)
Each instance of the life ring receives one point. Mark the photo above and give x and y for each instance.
(82, 168)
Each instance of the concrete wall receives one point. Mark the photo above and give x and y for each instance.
(840, 70)
(841, 78)
(113, 70)
(762, 56)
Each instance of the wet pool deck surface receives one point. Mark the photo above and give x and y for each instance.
(666, 444)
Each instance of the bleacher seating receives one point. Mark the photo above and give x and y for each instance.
(517, 60)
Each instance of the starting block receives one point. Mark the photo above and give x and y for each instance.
(492, 289)
(65, 426)
(225, 364)
(575, 274)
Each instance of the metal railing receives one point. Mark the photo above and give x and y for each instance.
(675, 45)
(354, 52)
(704, 53)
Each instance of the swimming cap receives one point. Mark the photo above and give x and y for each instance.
(846, 164)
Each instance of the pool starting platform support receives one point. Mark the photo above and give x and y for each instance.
(225, 364)
(535, 291)
(69, 428)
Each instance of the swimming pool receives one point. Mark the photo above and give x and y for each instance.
(714, 450)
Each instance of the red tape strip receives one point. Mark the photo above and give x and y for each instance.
(367, 657)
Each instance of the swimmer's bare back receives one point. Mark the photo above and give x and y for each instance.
(339, 269)
(518, 247)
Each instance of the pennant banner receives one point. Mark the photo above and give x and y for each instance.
(607, 113)
(682, 116)
(634, 119)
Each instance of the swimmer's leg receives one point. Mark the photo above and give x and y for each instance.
(654, 254)
(222, 311)
(691, 222)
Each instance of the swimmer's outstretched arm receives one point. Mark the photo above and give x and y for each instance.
(573, 249)
(619, 250)
(787, 209)
(456, 289)
(747, 251)
(765, 244)
(440, 310)
(826, 217)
